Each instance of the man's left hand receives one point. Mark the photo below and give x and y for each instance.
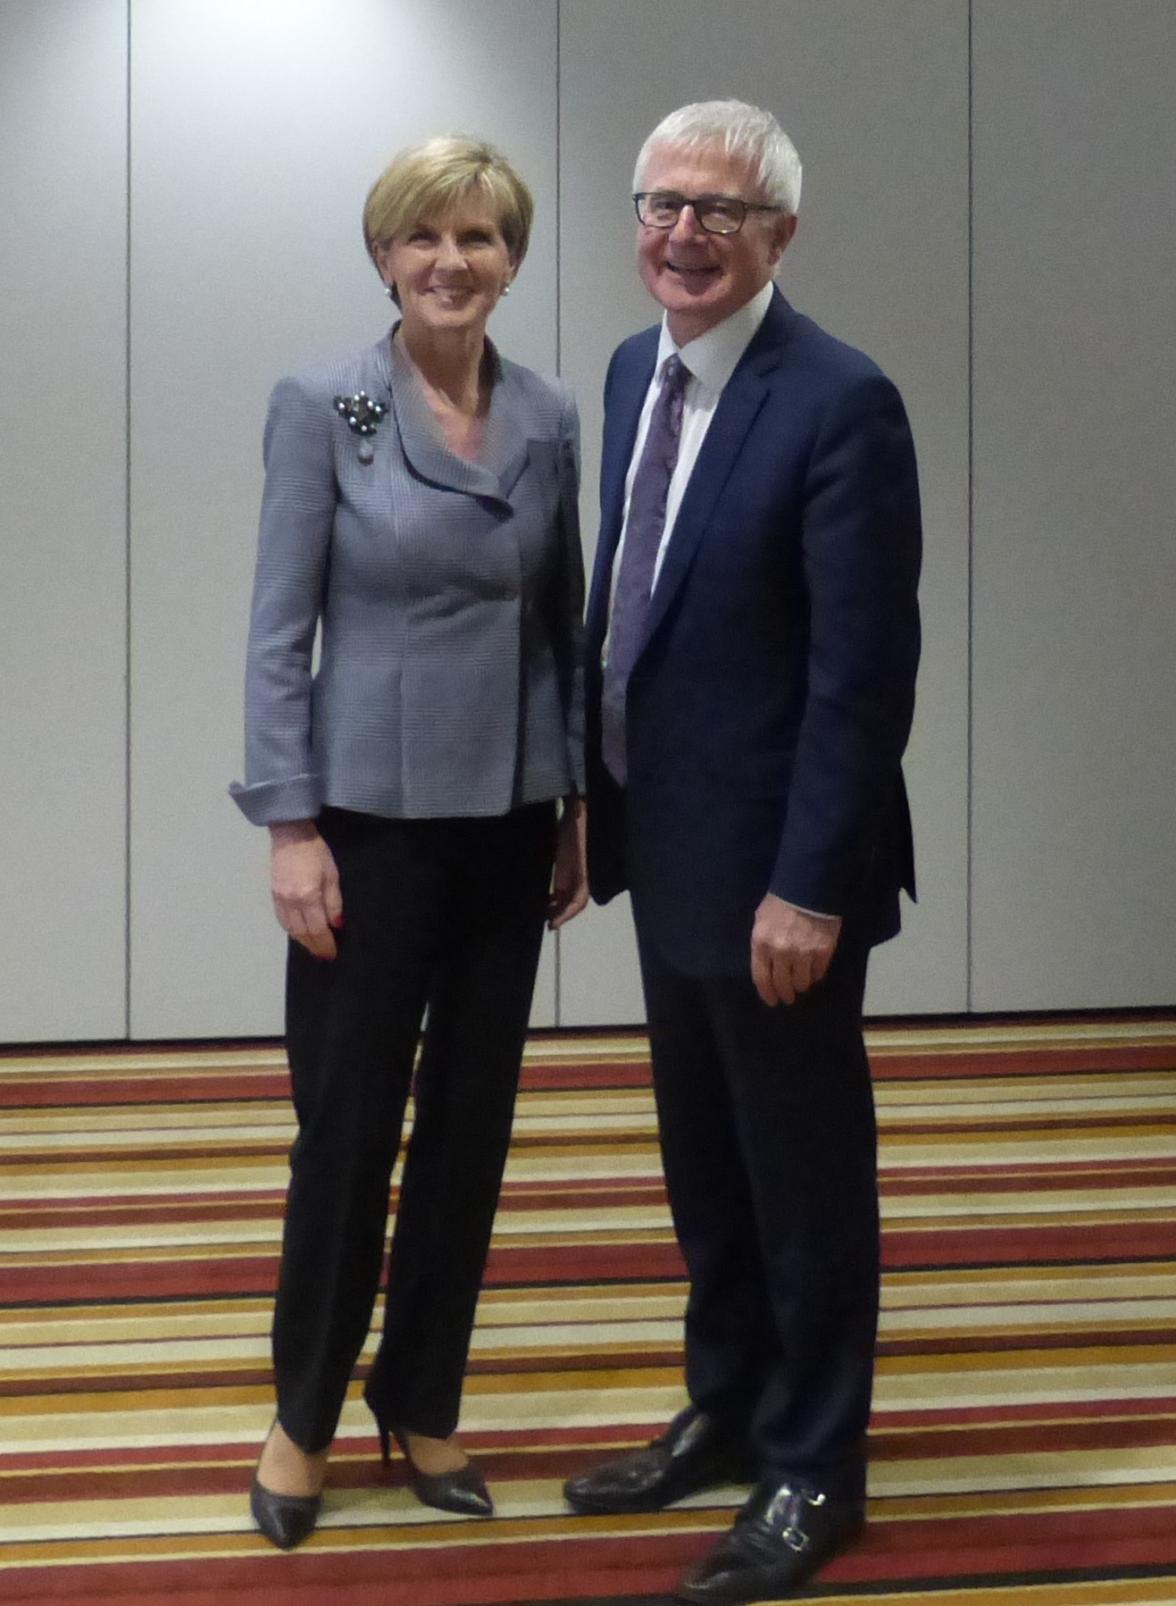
(790, 950)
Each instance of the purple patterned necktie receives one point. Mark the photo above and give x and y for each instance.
(643, 535)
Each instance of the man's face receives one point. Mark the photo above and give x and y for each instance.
(701, 278)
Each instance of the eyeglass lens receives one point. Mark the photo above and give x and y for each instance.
(717, 214)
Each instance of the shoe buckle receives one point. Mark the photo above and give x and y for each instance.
(793, 1536)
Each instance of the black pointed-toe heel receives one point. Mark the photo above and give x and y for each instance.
(285, 1519)
(463, 1492)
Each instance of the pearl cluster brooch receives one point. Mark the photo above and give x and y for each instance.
(363, 416)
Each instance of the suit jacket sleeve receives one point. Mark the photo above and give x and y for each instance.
(297, 516)
(861, 547)
(567, 599)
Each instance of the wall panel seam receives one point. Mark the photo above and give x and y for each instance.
(557, 962)
(127, 772)
(971, 526)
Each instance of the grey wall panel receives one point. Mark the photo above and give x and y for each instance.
(1075, 485)
(599, 976)
(256, 130)
(63, 513)
(874, 92)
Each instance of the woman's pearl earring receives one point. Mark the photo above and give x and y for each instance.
(390, 291)
(506, 288)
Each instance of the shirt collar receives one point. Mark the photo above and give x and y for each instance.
(713, 357)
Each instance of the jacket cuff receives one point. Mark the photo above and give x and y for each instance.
(808, 887)
(271, 802)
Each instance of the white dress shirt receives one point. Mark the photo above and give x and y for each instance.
(711, 360)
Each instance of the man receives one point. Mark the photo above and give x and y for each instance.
(753, 638)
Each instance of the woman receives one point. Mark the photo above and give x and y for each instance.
(420, 510)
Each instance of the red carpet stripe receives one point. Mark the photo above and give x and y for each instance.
(1024, 1444)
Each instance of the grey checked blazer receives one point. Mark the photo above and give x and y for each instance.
(449, 595)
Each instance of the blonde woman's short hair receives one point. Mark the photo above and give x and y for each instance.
(424, 181)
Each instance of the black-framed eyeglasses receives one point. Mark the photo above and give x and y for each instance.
(717, 214)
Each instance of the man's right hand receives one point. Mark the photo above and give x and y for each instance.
(304, 881)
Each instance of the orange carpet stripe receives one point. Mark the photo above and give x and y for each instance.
(1024, 1442)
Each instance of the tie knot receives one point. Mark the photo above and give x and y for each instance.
(674, 373)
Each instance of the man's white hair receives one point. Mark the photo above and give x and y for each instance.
(743, 131)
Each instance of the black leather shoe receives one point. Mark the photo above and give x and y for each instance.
(285, 1519)
(780, 1538)
(695, 1452)
(463, 1491)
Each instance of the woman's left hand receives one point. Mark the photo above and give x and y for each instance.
(569, 879)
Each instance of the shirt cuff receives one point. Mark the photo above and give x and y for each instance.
(815, 913)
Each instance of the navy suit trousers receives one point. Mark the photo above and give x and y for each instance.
(768, 1141)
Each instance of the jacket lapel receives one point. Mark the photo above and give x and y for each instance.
(505, 448)
(620, 431)
(742, 398)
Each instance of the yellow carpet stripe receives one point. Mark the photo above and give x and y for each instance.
(989, 1394)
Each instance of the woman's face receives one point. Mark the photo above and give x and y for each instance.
(450, 270)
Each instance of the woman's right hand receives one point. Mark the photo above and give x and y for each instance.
(305, 883)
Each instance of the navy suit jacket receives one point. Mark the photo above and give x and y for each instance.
(772, 697)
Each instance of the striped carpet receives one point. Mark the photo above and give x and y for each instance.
(1024, 1442)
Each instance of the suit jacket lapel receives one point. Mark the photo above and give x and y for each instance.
(505, 449)
(742, 398)
(620, 431)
